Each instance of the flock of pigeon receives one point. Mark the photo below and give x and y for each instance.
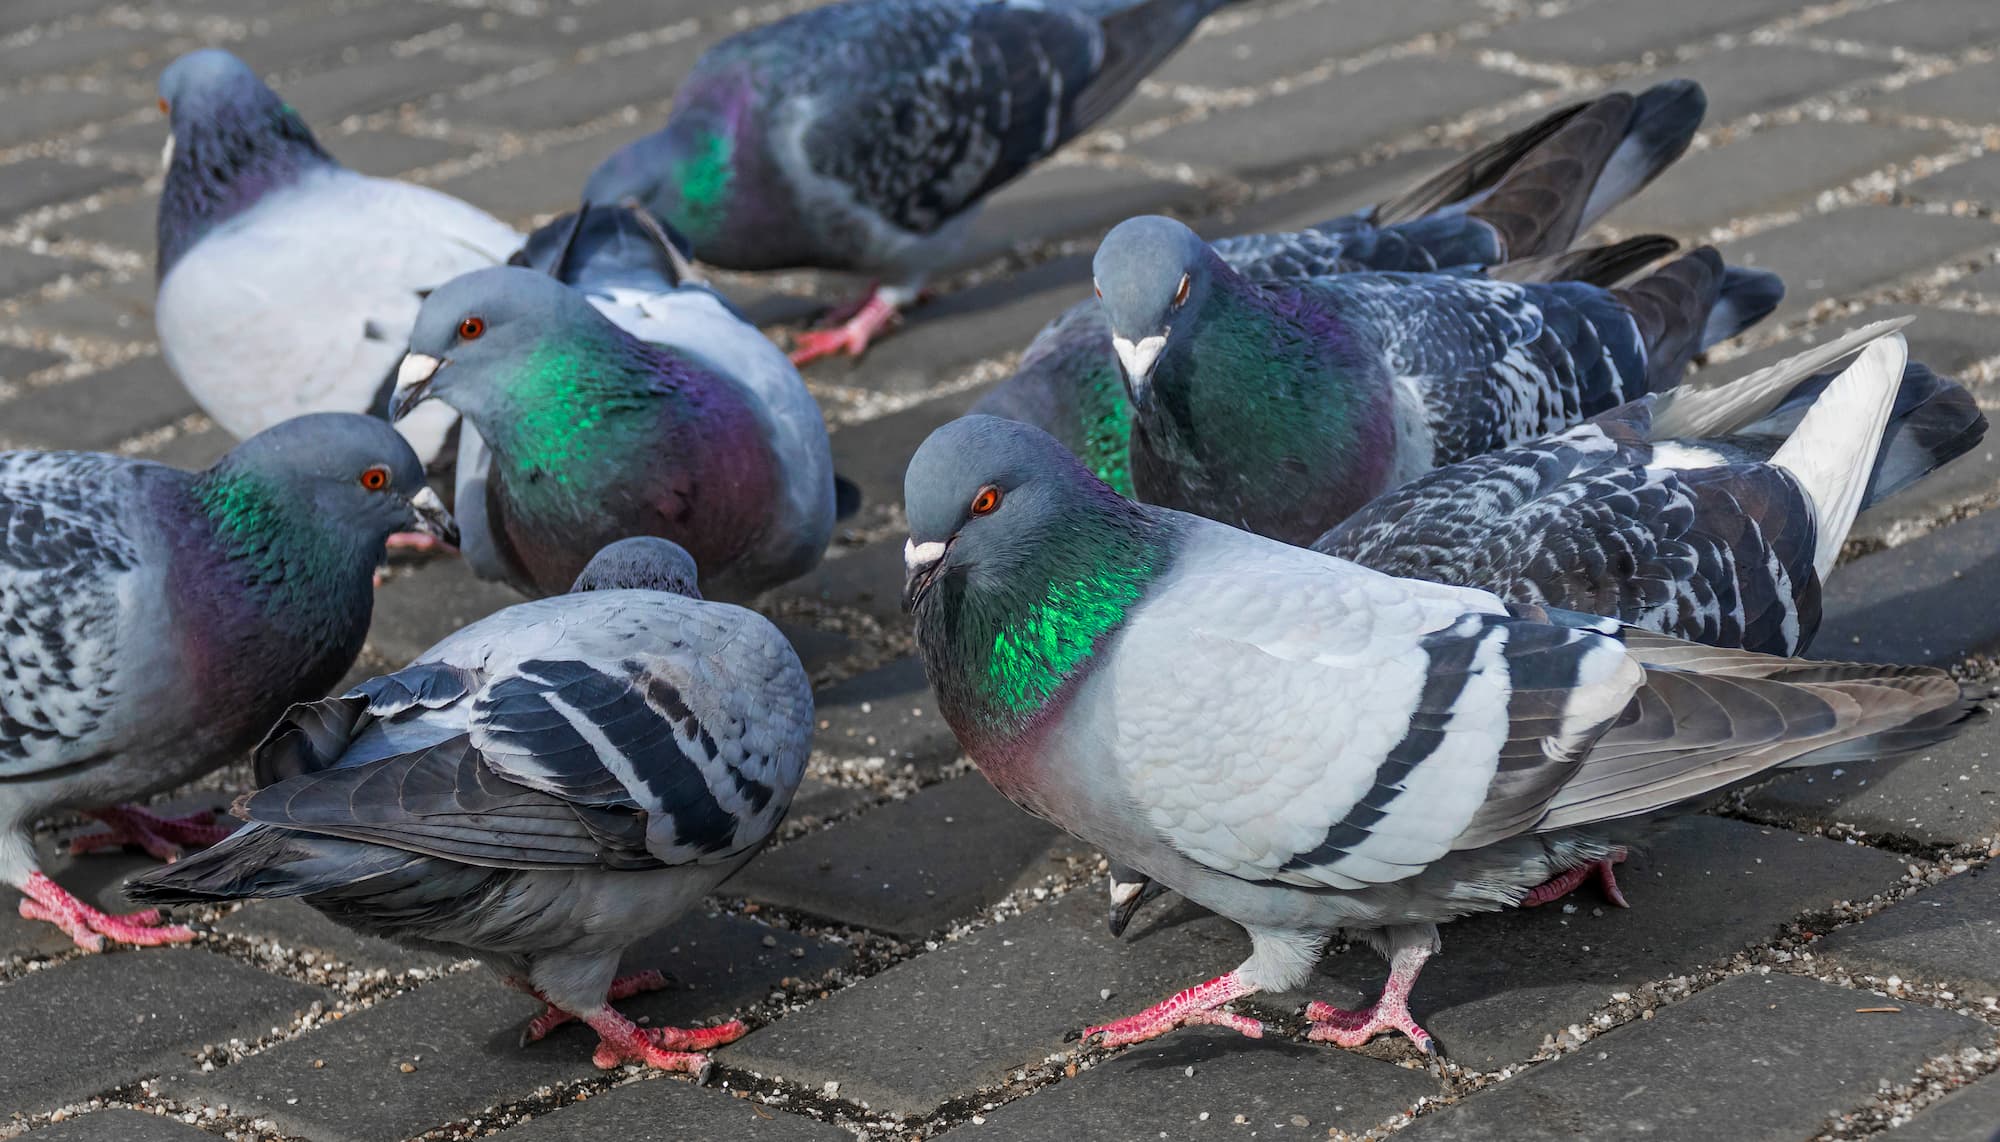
(1343, 581)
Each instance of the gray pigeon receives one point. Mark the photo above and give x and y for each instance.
(542, 790)
(1306, 746)
(288, 283)
(863, 135)
(153, 622)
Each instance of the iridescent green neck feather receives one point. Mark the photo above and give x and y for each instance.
(286, 558)
(1105, 416)
(704, 174)
(567, 413)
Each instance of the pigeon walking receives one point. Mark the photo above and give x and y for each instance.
(153, 623)
(1513, 207)
(614, 400)
(863, 135)
(1306, 746)
(288, 283)
(1283, 407)
(541, 790)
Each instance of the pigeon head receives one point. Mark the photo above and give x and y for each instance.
(342, 471)
(602, 247)
(231, 141)
(641, 563)
(1149, 272)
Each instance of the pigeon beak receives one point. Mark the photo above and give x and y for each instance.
(432, 519)
(413, 383)
(920, 566)
(1138, 359)
(1129, 892)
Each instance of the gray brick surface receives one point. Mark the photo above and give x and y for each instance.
(118, 309)
(21, 271)
(40, 182)
(418, 607)
(1290, 39)
(16, 363)
(868, 578)
(98, 411)
(376, 85)
(1971, 1115)
(888, 712)
(1613, 30)
(670, 1108)
(30, 115)
(1949, 794)
(129, 224)
(1969, 95)
(390, 152)
(546, 182)
(1061, 201)
(1910, 603)
(1751, 79)
(1848, 251)
(1975, 180)
(1753, 1058)
(579, 93)
(291, 923)
(1948, 934)
(1946, 26)
(119, 1126)
(874, 453)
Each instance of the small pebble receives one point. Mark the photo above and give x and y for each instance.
(770, 941)
(408, 1068)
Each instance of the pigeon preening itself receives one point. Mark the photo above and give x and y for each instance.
(541, 790)
(619, 400)
(1683, 514)
(1513, 207)
(288, 283)
(1306, 746)
(863, 135)
(1283, 407)
(154, 622)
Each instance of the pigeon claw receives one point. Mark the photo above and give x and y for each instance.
(852, 336)
(1345, 1028)
(44, 899)
(1562, 884)
(163, 838)
(552, 1017)
(675, 1049)
(1196, 1006)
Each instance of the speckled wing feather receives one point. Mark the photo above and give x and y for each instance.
(65, 563)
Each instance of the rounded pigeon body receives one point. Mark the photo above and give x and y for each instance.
(863, 135)
(542, 790)
(622, 412)
(1158, 685)
(288, 283)
(158, 620)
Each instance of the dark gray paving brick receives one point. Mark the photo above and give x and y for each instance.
(566, 25)
(1974, 180)
(888, 712)
(1921, 602)
(27, 116)
(912, 867)
(1614, 30)
(868, 578)
(119, 1126)
(578, 93)
(1335, 119)
(128, 1014)
(16, 363)
(98, 50)
(1058, 202)
(1947, 934)
(1985, 282)
(462, 1036)
(1946, 26)
(130, 225)
(1290, 40)
(376, 85)
(1848, 251)
(39, 182)
(1757, 78)
(1330, 197)
(21, 271)
(874, 453)
(1971, 1115)
(668, 1108)
(23, 14)
(98, 411)
(546, 182)
(1772, 1057)
(1245, 1087)
(293, 924)
(418, 607)
(117, 309)
(391, 152)
(1970, 95)
(1949, 794)
(325, 32)
(1770, 171)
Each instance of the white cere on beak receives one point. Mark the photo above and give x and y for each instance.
(917, 556)
(1123, 892)
(416, 369)
(1139, 359)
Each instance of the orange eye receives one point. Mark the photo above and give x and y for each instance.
(375, 479)
(163, 105)
(1180, 295)
(987, 499)
(471, 328)
(1099, 289)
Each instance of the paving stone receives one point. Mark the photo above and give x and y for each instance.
(1969, 95)
(23, 14)
(1921, 602)
(21, 271)
(1616, 30)
(1336, 118)
(120, 1126)
(98, 411)
(1770, 171)
(1328, 198)
(417, 608)
(1986, 282)
(1975, 180)
(1967, 1116)
(117, 309)
(130, 225)
(1764, 77)
(1290, 40)
(16, 363)
(376, 85)
(1061, 201)
(39, 182)
(328, 31)
(875, 453)
(1946, 795)
(668, 1108)
(192, 450)
(1771, 1057)
(391, 152)
(912, 867)
(578, 93)
(1847, 251)
(1947, 934)
(888, 712)
(868, 578)
(87, 49)
(1944, 26)
(125, 1015)
(295, 924)
(462, 1035)
(545, 183)
(27, 116)
(567, 25)
(1244, 1086)
(818, 801)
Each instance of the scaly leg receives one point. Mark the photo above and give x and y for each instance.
(1560, 885)
(668, 1048)
(877, 314)
(162, 837)
(1195, 1005)
(624, 987)
(1389, 1012)
(44, 899)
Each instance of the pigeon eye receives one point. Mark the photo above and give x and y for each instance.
(987, 499)
(1180, 295)
(375, 479)
(471, 328)
(163, 105)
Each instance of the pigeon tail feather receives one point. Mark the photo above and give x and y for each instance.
(1598, 265)
(1747, 297)
(1665, 118)
(1832, 453)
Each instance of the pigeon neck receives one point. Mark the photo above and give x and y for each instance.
(280, 551)
(1105, 415)
(226, 164)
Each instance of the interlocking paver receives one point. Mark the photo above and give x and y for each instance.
(40, 182)
(1752, 1058)
(290, 923)
(118, 309)
(1975, 180)
(1907, 604)
(868, 578)
(580, 93)
(124, 1015)
(1755, 78)
(667, 1108)
(1613, 30)
(1969, 95)
(1844, 252)
(888, 712)
(1292, 39)
(549, 181)
(102, 409)
(1948, 934)
(33, 114)
(377, 85)
(1070, 200)
(21, 271)
(1970, 1115)
(1932, 25)
(16, 363)
(119, 1126)
(131, 224)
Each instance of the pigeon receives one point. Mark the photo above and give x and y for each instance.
(1712, 539)
(863, 135)
(154, 622)
(288, 283)
(541, 790)
(1283, 407)
(1512, 207)
(1306, 746)
(610, 398)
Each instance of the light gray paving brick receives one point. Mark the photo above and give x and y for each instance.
(130, 223)
(1976, 180)
(119, 308)
(1845, 252)
(1060, 201)
(29, 115)
(578, 93)
(667, 1108)
(546, 182)
(1290, 39)
(1613, 30)
(1944, 26)
(1947, 934)
(1969, 95)
(99, 411)
(42, 182)
(120, 1126)
(1755, 78)
(1914, 603)
(22, 272)
(376, 85)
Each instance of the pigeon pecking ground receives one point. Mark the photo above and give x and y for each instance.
(1816, 959)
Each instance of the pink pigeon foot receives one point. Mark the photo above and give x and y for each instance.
(852, 336)
(1389, 1012)
(1196, 1005)
(163, 838)
(1559, 886)
(44, 899)
(418, 542)
(667, 1048)
(624, 987)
